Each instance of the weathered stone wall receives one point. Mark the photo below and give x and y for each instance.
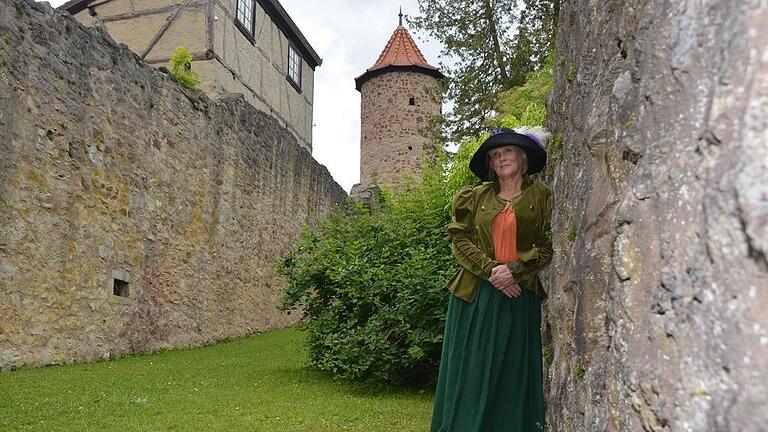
(109, 169)
(392, 138)
(659, 287)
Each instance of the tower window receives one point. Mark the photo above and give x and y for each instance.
(119, 287)
(410, 148)
(411, 101)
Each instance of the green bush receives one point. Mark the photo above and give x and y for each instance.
(181, 68)
(371, 284)
(372, 287)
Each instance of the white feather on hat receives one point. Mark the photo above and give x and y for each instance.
(539, 134)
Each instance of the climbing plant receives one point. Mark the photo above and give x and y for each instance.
(181, 68)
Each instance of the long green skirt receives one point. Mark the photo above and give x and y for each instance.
(490, 376)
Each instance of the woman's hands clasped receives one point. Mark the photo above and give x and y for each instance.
(502, 279)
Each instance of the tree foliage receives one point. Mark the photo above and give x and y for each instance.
(491, 46)
(372, 284)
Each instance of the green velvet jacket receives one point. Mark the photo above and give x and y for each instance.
(472, 245)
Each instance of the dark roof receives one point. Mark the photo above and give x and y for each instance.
(400, 53)
(273, 8)
(74, 6)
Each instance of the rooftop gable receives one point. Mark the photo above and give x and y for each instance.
(273, 8)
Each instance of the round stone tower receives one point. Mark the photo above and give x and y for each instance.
(399, 95)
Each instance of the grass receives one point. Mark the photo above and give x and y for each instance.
(577, 370)
(571, 235)
(571, 73)
(259, 383)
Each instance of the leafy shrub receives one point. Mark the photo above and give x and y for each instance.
(181, 68)
(372, 287)
(372, 284)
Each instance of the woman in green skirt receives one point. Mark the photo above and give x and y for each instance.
(490, 376)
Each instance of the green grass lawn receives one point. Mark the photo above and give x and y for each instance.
(259, 383)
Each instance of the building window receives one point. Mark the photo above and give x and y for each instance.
(245, 16)
(294, 68)
(411, 101)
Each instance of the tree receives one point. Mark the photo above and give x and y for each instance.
(491, 46)
(535, 38)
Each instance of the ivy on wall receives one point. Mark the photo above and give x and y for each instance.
(181, 68)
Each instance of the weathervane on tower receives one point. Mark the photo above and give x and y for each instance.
(401, 16)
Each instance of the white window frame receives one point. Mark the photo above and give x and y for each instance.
(294, 67)
(245, 14)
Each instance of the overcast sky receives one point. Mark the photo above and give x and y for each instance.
(348, 35)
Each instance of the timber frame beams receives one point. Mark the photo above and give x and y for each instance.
(275, 16)
(189, 5)
(175, 11)
(163, 29)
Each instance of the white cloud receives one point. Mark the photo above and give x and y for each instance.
(348, 35)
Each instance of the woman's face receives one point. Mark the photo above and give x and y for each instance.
(506, 161)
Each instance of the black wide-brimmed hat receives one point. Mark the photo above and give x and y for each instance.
(531, 140)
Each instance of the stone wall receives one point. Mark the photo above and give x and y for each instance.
(111, 171)
(392, 141)
(659, 287)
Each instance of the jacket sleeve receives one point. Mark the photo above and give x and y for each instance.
(466, 252)
(522, 270)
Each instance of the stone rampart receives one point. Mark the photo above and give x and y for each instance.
(136, 215)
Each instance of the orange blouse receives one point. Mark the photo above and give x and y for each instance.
(504, 235)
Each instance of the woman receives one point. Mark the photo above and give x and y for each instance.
(490, 372)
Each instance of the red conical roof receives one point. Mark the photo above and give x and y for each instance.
(401, 51)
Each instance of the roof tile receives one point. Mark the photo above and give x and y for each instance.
(401, 50)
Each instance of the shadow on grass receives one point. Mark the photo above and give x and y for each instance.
(355, 388)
